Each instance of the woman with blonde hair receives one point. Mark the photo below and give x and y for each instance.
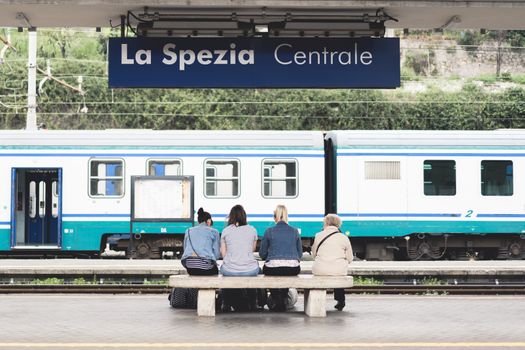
(332, 252)
(282, 250)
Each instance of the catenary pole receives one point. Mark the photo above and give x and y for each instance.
(31, 81)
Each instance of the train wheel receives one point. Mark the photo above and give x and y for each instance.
(425, 248)
(513, 251)
(142, 251)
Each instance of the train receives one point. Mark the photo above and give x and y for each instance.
(402, 195)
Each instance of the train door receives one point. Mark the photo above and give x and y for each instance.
(37, 207)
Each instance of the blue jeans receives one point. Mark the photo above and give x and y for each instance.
(226, 272)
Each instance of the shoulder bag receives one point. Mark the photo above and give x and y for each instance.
(324, 239)
(196, 261)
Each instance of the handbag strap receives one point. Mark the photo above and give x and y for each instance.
(191, 244)
(324, 239)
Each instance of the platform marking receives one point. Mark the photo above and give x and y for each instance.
(270, 345)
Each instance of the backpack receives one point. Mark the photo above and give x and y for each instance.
(243, 300)
(183, 298)
(287, 304)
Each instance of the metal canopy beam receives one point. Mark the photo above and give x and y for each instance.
(495, 14)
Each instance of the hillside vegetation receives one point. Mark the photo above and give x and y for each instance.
(476, 103)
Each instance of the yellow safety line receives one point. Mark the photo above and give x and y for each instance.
(269, 345)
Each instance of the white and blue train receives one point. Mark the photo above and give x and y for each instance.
(401, 194)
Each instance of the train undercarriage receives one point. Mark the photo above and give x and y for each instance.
(418, 246)
(424, 246)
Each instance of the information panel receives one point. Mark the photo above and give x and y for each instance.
(162, 198)
(254, 63)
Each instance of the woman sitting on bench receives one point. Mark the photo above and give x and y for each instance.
(282, 250)
(332, 252)
(201, 247)
(238, 242)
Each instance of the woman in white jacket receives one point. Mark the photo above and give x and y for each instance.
(332, 252)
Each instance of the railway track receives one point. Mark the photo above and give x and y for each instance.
(473, 289)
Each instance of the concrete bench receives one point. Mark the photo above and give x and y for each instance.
(314, 288)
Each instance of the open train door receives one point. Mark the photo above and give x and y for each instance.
(36, 208)
(161, 206)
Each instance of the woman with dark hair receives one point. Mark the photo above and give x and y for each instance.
(238, 242)
(201, 247)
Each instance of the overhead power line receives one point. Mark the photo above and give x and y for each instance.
(253, 116)
(282, 102)
(473, 102)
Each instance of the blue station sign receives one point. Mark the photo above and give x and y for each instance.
(254, 63)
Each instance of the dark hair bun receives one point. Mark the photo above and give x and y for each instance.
(202, 215)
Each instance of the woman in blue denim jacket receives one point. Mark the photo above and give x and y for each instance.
(282, 250)
(201, 247)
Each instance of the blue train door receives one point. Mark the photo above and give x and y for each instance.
(37, 207)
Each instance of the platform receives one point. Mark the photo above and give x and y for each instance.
(368, 322)
(158, 268)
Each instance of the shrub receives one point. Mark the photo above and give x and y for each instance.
(420, 62)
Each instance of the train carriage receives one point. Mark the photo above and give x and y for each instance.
(429, 194)
(402, 194)
(69, 191)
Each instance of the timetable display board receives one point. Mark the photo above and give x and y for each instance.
(161, 198)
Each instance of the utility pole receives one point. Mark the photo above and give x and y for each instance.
(501, 35)
(31, 81)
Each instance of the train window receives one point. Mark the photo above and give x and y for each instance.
(221, 178)
(32, 199)
(383, 170)
(42, 199)
(164, 167)
(106, 177)
(439, 177)
(54, 199)
(496, 178)
(279, 178)
(211, 185)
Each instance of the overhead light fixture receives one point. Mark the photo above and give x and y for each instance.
(261, 28)
(250, 22)
(185, 28)
(290, 29)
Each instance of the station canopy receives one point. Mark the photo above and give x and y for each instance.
(286, 17)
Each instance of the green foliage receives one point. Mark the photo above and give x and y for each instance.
(73, 54)
(421, 62)
(48, 281)
(516, 38)
(432, 281)
(82, 281)
(470, 38)
(506, 76)
(518, 79)
(156, 282)
(487, 78)
(408, 74)
(367, 281)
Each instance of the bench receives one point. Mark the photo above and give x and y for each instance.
(314, 288)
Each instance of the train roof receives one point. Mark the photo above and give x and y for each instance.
(178, 138)
(504, 137)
